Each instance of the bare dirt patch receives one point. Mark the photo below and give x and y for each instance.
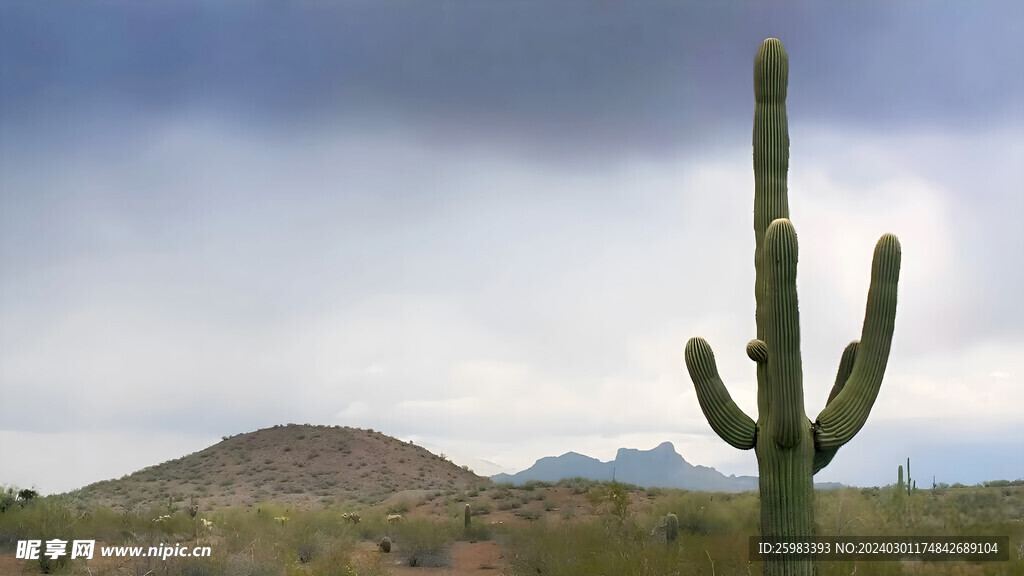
(467, 559)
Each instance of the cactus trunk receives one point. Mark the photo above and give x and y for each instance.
(899, 479)
(790, 448)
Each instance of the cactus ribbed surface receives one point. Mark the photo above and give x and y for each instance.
(790, 448)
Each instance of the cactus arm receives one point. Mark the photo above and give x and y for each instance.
(725, 417)
(845, 368)
(757, 351)
(786, 418)
(842, 418)
(823, 457)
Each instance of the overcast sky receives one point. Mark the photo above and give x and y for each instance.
(491, 227)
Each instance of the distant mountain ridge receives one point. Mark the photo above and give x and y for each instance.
(660, 467)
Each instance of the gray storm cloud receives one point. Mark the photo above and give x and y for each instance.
(505, 218)
(574, 80)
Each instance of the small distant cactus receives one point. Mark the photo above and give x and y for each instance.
(909, 481)
(467, 513)
(671, 527)
(899, 479)
(385, 545)
(193, 508)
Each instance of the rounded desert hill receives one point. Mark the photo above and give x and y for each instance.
(304, 466)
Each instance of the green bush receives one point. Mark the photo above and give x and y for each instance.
(423, 543)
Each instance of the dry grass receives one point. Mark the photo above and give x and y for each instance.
(569, 528)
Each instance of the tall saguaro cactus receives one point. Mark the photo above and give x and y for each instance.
(790, 448)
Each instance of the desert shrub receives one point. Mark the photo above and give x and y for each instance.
(336, 561)
(587, 548)
(653, 493)
(578, 485)
(105, 524)
(246, 565)
(8, 498)
(501, 494)
(240, 528)
(42, 518)
(307, 547)
(423, 543)
(196, 568)
(400, 507)
(27, 494)
(610, 499)
(168, 524)
(528, 514)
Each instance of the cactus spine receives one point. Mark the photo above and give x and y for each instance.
(790, 448)
(467, 513)
(671, 527)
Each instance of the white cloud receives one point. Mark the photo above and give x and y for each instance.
(959, 388)
(355, 410)
(494, 309)
(62, 461)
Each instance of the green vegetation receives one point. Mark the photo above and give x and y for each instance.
(613, 528)
(790, 448)
(714, 531)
